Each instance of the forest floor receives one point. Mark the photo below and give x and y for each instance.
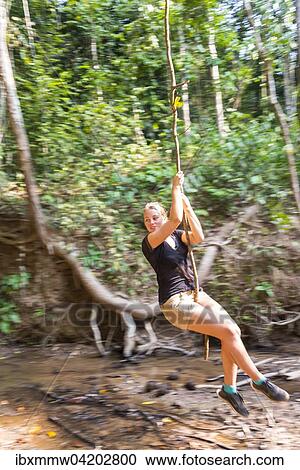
(66, 397)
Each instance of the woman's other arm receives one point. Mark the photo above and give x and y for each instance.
(196, 233)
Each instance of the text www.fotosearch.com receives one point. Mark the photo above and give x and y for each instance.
(190, 460)
(130, 460)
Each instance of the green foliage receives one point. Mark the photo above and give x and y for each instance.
(266, 288)
(14, 282)
(280, 218)
(9, 314)
(99, 120)
(92, 258)
(38, 312)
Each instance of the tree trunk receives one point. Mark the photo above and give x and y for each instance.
(2, 111)
(97, 291)
(289, 147)
(216, 80)
(264, 86)
(237, 101)
(289, 86)
(292, 76)
(96, 67)
(17, 123)
(139, 134)
(298, 57)
(29, 26)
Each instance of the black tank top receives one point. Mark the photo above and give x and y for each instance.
(172, 266)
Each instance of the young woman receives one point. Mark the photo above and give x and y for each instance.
(165, 247)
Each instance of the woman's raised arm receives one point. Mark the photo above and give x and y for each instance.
(176, 214)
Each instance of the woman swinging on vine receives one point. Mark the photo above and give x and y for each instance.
(165, 247)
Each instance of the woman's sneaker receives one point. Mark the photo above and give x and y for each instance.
(271, 391)
(235, 400)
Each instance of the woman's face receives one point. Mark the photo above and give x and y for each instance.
(153, 219)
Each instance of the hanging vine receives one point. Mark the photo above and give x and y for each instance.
(174, 101)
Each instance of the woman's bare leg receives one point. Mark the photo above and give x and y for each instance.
(229, 366)
(211, 319)
(233, 343)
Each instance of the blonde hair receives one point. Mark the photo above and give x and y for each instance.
(157, 207)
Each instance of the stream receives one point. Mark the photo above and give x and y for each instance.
(67, 397)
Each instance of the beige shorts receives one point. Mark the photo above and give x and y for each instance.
(183, 312)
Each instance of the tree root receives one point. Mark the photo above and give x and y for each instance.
(97, 333)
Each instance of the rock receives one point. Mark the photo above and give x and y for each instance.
(190, 385)
(162, 390)
(173, 376)
(121, 410)
(176, 405)
(151, 385)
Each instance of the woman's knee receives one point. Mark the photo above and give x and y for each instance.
(231, 331)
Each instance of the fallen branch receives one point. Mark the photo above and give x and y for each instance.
(210, 441)
(286, 322)
(152, 421)
(160, 345)
(267, 322)
(76, 434)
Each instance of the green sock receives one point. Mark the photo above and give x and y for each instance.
(260, 381)
(229, 388)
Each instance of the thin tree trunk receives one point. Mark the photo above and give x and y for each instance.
(185, 90)
(139, 134)
(289, 147)
(289, 76)
(18, 127)
(96, 66)
(298, 57)
(264, 86)
(2, 111)
(29, 26)
(292, 75)
(216, 80)
(237, 101)
(287, 85)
